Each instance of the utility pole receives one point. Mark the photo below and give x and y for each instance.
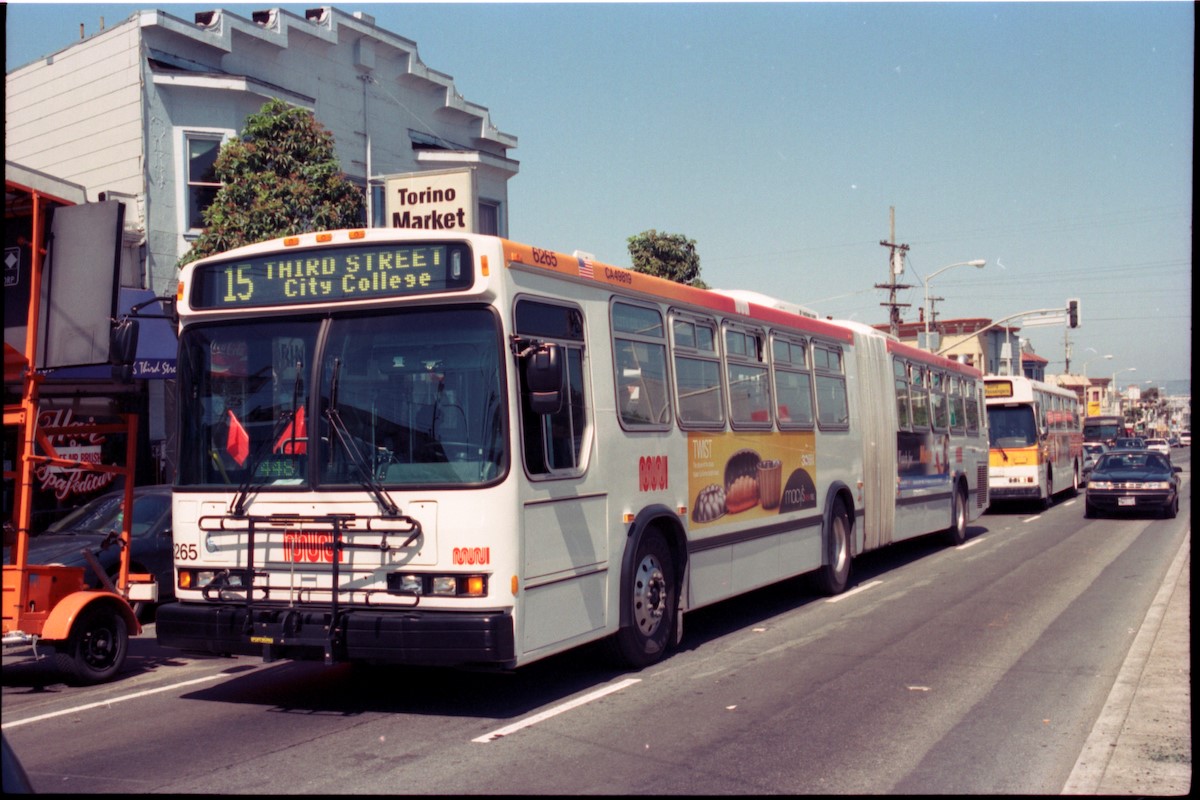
(895, 269)
(1067, 349)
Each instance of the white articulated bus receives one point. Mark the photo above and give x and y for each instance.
(1036, 439)
(399, 447)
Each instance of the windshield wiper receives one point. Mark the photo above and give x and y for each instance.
(366, 479)
(238, 507)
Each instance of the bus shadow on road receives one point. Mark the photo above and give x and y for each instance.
(309, 688)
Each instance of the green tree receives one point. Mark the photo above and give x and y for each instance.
(281, 178)
(668, 255)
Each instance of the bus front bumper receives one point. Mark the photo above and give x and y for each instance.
(402, 636)
(1010, 492)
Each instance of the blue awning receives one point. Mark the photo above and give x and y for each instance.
(156, 348)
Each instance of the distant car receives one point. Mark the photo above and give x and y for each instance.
(1173, 440)
(1159, 446)
(1091, 454)
(1185, 439)
(1129, 443)
(1133, 480)
(98, 522)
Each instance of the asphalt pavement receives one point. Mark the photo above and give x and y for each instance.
(1142, 743)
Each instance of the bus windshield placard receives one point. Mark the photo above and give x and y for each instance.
(998, 389)
(360, 272)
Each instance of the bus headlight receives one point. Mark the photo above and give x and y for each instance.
(446, 585)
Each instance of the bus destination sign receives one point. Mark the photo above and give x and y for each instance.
(360, 272)
(998, 389)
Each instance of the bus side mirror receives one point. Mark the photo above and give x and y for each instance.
(544, 379)
(122, 348)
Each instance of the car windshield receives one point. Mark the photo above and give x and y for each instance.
(104, 514)
(1134, 461)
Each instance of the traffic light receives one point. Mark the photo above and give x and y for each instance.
(1073, 313)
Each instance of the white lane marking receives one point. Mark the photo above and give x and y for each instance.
(555, 711)
(113, 701)
(1031, 519)
(853, 591)
(971, 543)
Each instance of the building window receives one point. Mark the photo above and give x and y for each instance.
(201, 177)
(489, 218)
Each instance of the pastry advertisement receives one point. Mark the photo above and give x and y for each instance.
(746, 476)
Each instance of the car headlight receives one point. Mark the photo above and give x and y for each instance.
(1160, 485)
(1100, 485)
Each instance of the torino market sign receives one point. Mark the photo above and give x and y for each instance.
(436, 200)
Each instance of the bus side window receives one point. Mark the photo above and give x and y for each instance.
(697, 373)
(640, 356)
(903, 413)
(555, 444)
(746, 372)
(793, 384)
(937, 400)
(833, 404)
(919, 397)
(973, 403)
(958, 413)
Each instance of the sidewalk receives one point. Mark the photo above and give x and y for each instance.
(1142, 742)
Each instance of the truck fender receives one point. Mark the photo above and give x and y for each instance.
(62, 617)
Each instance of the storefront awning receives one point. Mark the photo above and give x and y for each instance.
(156, 344)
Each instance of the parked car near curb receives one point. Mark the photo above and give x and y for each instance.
(95, 526)
(1133, 481)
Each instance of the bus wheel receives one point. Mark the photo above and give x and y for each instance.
(956, 534)
(1047, 498)
(652, 604)
(96, 648)
(834, 574)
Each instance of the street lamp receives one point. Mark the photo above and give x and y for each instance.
(978, 263)
(1090, 360)
(1113, 386)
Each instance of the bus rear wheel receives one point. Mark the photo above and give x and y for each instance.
(956, 534)
(651, 595)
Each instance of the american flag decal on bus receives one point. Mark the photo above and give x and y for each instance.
(585, 266)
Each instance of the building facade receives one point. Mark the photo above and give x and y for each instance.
(138, 112)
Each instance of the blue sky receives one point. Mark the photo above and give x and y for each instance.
(1054, 140)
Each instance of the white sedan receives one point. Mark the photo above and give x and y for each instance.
(1161, 445)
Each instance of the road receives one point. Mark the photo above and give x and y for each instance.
(977, 669)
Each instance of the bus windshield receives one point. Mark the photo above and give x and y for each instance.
(408, 398)
(1011, 426)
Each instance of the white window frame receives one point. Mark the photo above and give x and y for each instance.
(182, 186)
